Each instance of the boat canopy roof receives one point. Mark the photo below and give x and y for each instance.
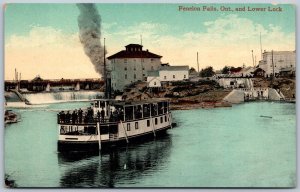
(124, 103)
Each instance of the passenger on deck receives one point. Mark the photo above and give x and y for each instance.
(111, 117)
(74, 117)
(98, 115)
(102, 115)
(85, 120)
(62, 116)
(80, 115)
(68, 117)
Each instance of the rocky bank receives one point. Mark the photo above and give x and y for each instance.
(183, 95)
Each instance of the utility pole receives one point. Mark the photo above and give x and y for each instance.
(261, 54)
(198, 63)
(104, 72)
(273, 76)
(252, 58)
(142, 57)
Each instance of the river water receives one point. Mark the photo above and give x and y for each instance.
(220, 147)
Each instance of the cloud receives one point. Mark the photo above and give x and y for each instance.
(226, 40)
(48, 52)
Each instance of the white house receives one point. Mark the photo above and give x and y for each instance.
(167, 74)
(281, 59)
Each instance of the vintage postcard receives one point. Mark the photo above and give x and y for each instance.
(150, 95)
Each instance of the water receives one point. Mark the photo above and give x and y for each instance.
(54, 97)
(222, 147)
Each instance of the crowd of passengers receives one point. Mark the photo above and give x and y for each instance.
(88, 116)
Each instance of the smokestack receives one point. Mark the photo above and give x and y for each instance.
(89, 33)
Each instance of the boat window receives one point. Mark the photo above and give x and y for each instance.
(102, 104)
(160, 108)
(148, 123)
(118, 113)
(165, 105)
(146, 110)
(155, 121)
(128, 126)
(63, 130)
(90, 130)
(161, 120)
(153, 110)
(70, 130)
(103, 130)
(136, 125)
(113, 129)
(138, 112)
(128, 113)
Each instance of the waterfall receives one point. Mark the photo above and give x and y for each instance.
(56, 97)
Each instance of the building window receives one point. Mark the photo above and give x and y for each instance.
(154, 82)
(161, 120)
(165, 77)
(134, 76)
(134, 68)
(143, 74)
(152, 68)
(125, 76)
(128, 126)
(148, 123)
(155, 121)
(152, 60)
(184, 76)
(143, 68)
(136, 125)
(125, 68)
(173, 76)
(125, 60)
(165, 118)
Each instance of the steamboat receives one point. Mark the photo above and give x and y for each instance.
(109, 123)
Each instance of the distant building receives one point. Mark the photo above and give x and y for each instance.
(131, 65)
(167, 74)
(282, 60)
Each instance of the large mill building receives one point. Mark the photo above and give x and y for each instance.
(132, 64)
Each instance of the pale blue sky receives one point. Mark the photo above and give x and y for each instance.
(44, 37)
(19, 18)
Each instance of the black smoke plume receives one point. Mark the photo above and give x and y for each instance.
(89, 23)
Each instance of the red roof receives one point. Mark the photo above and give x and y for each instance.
(134, 51)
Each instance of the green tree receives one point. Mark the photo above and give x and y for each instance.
(192, 70)
(225, 70)
(207, 72)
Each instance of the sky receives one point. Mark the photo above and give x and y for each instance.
(42, 39)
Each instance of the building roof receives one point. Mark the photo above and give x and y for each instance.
(279, 52)
(153, 73)
(174, 68)
(134, 51)
(287, 69)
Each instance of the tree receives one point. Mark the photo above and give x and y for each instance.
(192, 70)
(225, 70)
(207, 72)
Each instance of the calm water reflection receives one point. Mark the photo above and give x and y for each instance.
(115, 167)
